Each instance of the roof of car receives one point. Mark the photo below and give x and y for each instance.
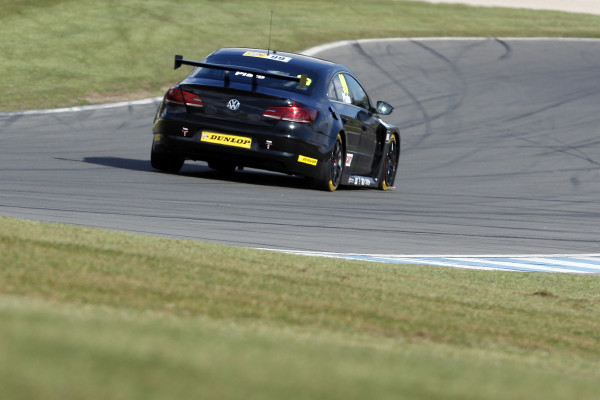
(298, 59)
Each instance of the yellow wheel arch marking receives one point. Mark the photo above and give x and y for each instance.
(332, 187)
(384, 184)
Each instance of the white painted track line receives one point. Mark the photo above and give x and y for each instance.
(559, 263)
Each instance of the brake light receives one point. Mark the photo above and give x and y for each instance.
(181, 97)
(301, 115)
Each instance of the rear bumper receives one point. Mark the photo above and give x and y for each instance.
(287, 147)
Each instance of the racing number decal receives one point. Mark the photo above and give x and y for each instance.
(308, 80)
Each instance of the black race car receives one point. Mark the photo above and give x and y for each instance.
(277, 111)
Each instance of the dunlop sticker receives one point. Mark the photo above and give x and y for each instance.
(307, 160)
(226, 140)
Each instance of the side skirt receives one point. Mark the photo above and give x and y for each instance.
(357, 180)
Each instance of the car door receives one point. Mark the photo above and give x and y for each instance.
(339, 94)
(368, 122)
(352, 104)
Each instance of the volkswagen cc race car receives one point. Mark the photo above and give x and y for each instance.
(276, 111)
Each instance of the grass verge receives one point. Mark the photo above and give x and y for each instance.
(58, 53)
(89, 313)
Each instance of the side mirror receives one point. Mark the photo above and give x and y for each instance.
(384, 108)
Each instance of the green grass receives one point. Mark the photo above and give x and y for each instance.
(64, 52)
(89, 313)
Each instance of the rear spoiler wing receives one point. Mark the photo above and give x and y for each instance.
(301, 79)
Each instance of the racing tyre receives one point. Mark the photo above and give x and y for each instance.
(166, 162)
(334, 167)
(390, 164)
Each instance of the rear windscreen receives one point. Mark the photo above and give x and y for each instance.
(271, 63)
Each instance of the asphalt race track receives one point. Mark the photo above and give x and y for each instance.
(500, 155)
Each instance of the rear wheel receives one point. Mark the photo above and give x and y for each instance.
(334, 167)
(390, 165)
(166, 162)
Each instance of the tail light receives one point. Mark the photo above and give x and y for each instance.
(301, 115)
(181, 97)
